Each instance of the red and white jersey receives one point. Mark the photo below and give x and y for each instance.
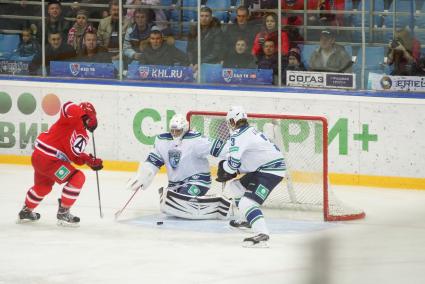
(67, 138)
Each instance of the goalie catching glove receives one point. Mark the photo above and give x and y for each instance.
(95, 164)
(222, 175)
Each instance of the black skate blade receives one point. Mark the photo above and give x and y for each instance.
(241, 229)
(63, 223)
(250, 244)
(25, 221)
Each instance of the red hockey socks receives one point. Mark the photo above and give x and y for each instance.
(72, 189)
(35, 195)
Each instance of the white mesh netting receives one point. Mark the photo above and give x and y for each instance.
(301, 139)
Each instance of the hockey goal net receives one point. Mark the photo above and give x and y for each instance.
(303, 140)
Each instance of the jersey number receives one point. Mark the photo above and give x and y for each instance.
(266, 139)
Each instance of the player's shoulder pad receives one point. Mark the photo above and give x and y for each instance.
(192, 134)
(165, 136)
(240, 131)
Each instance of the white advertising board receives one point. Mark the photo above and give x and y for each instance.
(370, 136)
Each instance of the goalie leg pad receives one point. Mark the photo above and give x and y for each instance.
(192, 207)
(192, 190)
(234, 189)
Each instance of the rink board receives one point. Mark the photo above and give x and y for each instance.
(373, 140)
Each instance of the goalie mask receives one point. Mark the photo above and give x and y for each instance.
(234, 115)
(178, 126)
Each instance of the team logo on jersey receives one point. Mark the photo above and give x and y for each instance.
(78, 143)
(74, 68)
(143, 72)
(174, 156)
(262, 192)
(62, 173)
(227, 75)
(194, 190)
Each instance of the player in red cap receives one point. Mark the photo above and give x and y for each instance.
(55, 150)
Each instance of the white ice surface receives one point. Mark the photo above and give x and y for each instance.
(387, 247)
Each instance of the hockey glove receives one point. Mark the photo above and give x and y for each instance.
(95, 164)
(135, 183)
(222, 175)
(90, 122)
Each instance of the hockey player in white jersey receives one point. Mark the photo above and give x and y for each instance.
(184, 154)
(251, 153)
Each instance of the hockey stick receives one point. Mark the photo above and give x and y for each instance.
(97, 178)
(118, 213)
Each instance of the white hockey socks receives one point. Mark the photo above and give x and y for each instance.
(250, 209)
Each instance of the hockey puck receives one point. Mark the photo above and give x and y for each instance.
(159, 223)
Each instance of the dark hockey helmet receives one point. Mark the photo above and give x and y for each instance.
(89, 118)
(88, 108)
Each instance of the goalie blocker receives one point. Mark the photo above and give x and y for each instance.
(193, 207)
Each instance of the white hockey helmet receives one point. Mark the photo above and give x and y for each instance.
(235, 114)
(178, 126)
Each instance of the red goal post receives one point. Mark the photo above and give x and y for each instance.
(303, 141)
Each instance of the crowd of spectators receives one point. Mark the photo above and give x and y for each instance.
(251, 41)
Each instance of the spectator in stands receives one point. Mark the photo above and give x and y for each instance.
(291, 20)
(55, 21)
(70, 11)
(239, 57)
(211, 39)
(19, 8)
(294, 63)
(294, 60)
(269, 32)
(404, 53)
(268, 59)
(108, 30)
(242, 28)
(158, 52)
(326, 17)
(28, 46)
(137, 34)
(56, 50)
(330, 56)
(156, 15)
(79, 29)
(91, 52)
(420, 67)
(96, 12)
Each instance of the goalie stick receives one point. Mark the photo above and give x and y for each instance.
(119, 212)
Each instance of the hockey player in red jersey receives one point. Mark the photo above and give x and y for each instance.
(55, 150)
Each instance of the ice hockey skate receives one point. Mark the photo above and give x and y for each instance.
(258, 241)
(66, 219)
(241, 225)
(26, 215)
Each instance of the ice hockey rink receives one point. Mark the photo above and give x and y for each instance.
(386, 247)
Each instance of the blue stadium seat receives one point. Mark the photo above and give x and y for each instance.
(209, 70)
(181, 45)
(222, 16)
(166, 2)
(374, 57)
(8, 42)
(306, 53)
